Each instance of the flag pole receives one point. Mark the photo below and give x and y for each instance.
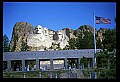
(94, 59)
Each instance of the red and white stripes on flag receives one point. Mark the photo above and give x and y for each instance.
(101, 20)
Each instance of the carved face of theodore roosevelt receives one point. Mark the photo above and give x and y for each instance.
(60, 35)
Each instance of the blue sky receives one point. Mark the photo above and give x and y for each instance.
(56, 15)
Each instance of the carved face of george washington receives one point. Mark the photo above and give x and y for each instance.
(39, 29)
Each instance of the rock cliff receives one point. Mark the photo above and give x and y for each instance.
(43, 38)
(21, 30)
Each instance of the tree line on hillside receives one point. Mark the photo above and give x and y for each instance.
(87, 42)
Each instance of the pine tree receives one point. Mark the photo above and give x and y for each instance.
(88, 40)
(5, 43)
(99, 44)
(24, 46)
(72, 43)
(109, 42)
(79, 41)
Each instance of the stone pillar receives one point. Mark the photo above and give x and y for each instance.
(39, 74)
(51, 64)
(37, 64)
(90, 75)
(9, 65)
(88, 64)
(93, 62)
(95, 75)
(24, 75)
(78, 63)
(65, 64)
(23, 65)
(83, 66)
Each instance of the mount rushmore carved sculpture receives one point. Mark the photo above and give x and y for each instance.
(44, 38)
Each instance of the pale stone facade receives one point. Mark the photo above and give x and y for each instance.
(44, 37)
(63, 38)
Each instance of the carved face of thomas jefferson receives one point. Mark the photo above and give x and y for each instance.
(45, 32)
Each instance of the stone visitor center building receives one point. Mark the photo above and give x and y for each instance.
(18, 61)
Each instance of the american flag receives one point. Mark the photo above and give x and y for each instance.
(101, 20)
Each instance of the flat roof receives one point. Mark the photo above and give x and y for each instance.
(57, 54)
